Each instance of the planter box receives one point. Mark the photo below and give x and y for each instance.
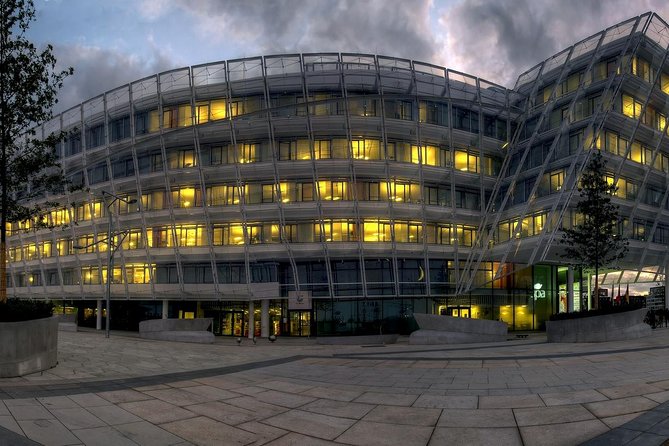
(180, 330)
(28, 346)
(610, 327)
(435, 329)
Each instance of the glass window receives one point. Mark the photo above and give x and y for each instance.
(218, 109)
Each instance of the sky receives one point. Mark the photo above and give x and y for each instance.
(113, 42)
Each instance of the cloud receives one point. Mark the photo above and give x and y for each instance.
(154, 9)
(393, 27)
(499, 40)
(97, 70)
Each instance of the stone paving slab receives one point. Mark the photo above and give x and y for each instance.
(130, 391)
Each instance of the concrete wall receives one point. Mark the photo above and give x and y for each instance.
(436, 329)
(611, 327)
(28, 346)
(180, 330)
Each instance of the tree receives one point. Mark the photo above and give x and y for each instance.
(29, 83)
(594, 241)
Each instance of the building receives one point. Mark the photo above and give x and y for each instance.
(324, 194)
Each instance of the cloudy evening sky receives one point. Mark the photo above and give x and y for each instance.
(110, 43)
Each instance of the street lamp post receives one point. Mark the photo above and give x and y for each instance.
(112, 247)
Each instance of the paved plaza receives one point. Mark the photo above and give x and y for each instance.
(129, 391)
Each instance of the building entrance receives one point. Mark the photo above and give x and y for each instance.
(300, 323)
(232, 323)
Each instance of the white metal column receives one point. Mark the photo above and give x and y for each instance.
(98, 315)
(251, 320)
(571, 298)
(264, 319)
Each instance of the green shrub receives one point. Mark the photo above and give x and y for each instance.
(16, 310)
(588, 313)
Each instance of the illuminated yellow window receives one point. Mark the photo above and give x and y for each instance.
(465, 235)
(428, 155)
(504, 231)
(557, 179)
(303, 149)
(587, 143)
(664, 83)
(367, 149)
(154, 122)
(539, 223)
(46, 249)
(58, 218)
(247, 153)
(401, 232)
(661, 122)
(190, 235)
(117, 275)
(370, 232)
(547, 93)
(466, 162)
(201, 113)
(30, 252)
(628, 106)
(287, 192)
(320, 108)
(274, 234)
(321, 149)
(183, 197)
(169, 115)
(218, 109)
(636, 152)
(236, 235)
(185, 117)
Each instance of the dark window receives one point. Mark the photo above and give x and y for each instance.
(95, 136)
(73, 143)
(119, 129)
(98, 173)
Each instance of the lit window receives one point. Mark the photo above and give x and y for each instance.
(218, 109)
(184, 115)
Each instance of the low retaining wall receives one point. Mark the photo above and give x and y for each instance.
(436, 329)
(358, 340)
(180, 330)
(610, 327)
(28, 347)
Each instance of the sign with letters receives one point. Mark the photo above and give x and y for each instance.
(538, 292)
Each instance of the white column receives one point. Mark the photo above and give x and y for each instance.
(98, 315)
(251, 321)
(570, 289)
(264, 319)
(166, 308)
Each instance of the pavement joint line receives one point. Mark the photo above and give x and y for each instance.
(79, 387)
(373, 356)
(442, 349)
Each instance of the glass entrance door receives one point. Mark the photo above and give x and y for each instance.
(232, 323)
(300, 323)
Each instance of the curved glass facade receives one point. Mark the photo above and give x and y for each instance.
(339, 193)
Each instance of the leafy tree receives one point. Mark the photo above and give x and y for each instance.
(29, 83)
(594, 242)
